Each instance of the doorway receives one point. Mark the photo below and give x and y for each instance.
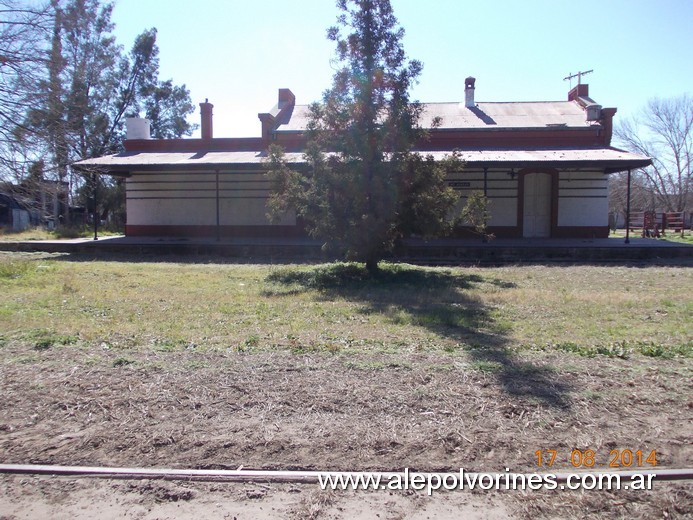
(536, 213)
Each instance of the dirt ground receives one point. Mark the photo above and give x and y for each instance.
(68, 406)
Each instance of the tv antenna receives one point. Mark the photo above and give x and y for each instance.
(578, 75)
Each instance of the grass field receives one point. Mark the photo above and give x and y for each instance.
(686, 238)
(321, 367)
(40, 233)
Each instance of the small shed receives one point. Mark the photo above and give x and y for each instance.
(13, 214)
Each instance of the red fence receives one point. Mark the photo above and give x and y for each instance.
(653, 224)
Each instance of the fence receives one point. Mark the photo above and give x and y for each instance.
(655, 224)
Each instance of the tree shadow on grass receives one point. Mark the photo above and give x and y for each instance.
(438, 300)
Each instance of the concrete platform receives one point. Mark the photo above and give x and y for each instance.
(442, 251)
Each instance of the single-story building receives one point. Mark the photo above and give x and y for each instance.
(544, 166)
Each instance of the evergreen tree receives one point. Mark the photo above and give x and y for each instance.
(364, 186)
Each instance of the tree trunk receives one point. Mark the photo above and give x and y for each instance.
(372, 266)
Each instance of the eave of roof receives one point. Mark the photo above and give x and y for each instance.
(609, 158)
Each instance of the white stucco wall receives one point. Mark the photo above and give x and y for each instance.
(583, 199)
(501, 191)
(190, 198)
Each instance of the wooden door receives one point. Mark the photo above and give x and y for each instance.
(536, 221)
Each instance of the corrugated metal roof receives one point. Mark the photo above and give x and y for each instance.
(183, 159)
(538, 114)
(570, 155)
(131, 161)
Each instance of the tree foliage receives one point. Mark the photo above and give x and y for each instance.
(477, 214)
(71, 102)
(664, 131)
(363, 186)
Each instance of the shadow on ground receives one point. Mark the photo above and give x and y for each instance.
(435, 299)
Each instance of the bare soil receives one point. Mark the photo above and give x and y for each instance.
(71, 405)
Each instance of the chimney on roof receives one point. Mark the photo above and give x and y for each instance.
(137, 128)
(286, 98)
(469, 92)
(578, 91)
(206, 119)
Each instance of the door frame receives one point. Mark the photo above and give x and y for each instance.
(553, 176)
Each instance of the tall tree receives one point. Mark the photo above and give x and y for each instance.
(24, 27)
(166, 106)
(363, 186)
(664, 131)
(91, 85)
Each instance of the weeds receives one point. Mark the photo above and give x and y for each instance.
(122, 362)
(44, 339)
(13, 269)
(621, 349)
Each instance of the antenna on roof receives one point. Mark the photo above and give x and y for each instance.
(579, 75)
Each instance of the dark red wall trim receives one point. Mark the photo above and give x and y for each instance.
(299, 232)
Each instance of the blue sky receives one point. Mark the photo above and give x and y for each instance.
(238, 53)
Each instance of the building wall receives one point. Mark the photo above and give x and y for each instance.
(185, 203)
(580, 208)
(583, 199)
(501, 189)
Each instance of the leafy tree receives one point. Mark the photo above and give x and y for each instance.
(166, 105)
(363, 186)
(664, 132)
(476, 213)
(88, 88)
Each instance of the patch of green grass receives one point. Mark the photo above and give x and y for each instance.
(622, 349)
(489, 367)
(676, 237)
(62, 232)
(122, 362)
(169, 345)
(651, 349)
(13, 269)
(43, 339)
(341, 308)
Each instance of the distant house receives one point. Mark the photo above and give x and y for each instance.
(14, 215)
(544, 165)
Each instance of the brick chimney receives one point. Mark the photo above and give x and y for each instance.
(206, 119)
(469, 92)
(279, 115)
(607, 121)
(286, 98)
(581, 90)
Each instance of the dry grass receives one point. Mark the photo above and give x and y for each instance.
(169, 306)
(40, 233)
(215, 365)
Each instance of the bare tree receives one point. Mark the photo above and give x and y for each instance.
(642, 197)
(23, 29)
(664, 131)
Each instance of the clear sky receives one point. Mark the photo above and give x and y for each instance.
(238, 53)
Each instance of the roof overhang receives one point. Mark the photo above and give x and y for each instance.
(612, 160)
